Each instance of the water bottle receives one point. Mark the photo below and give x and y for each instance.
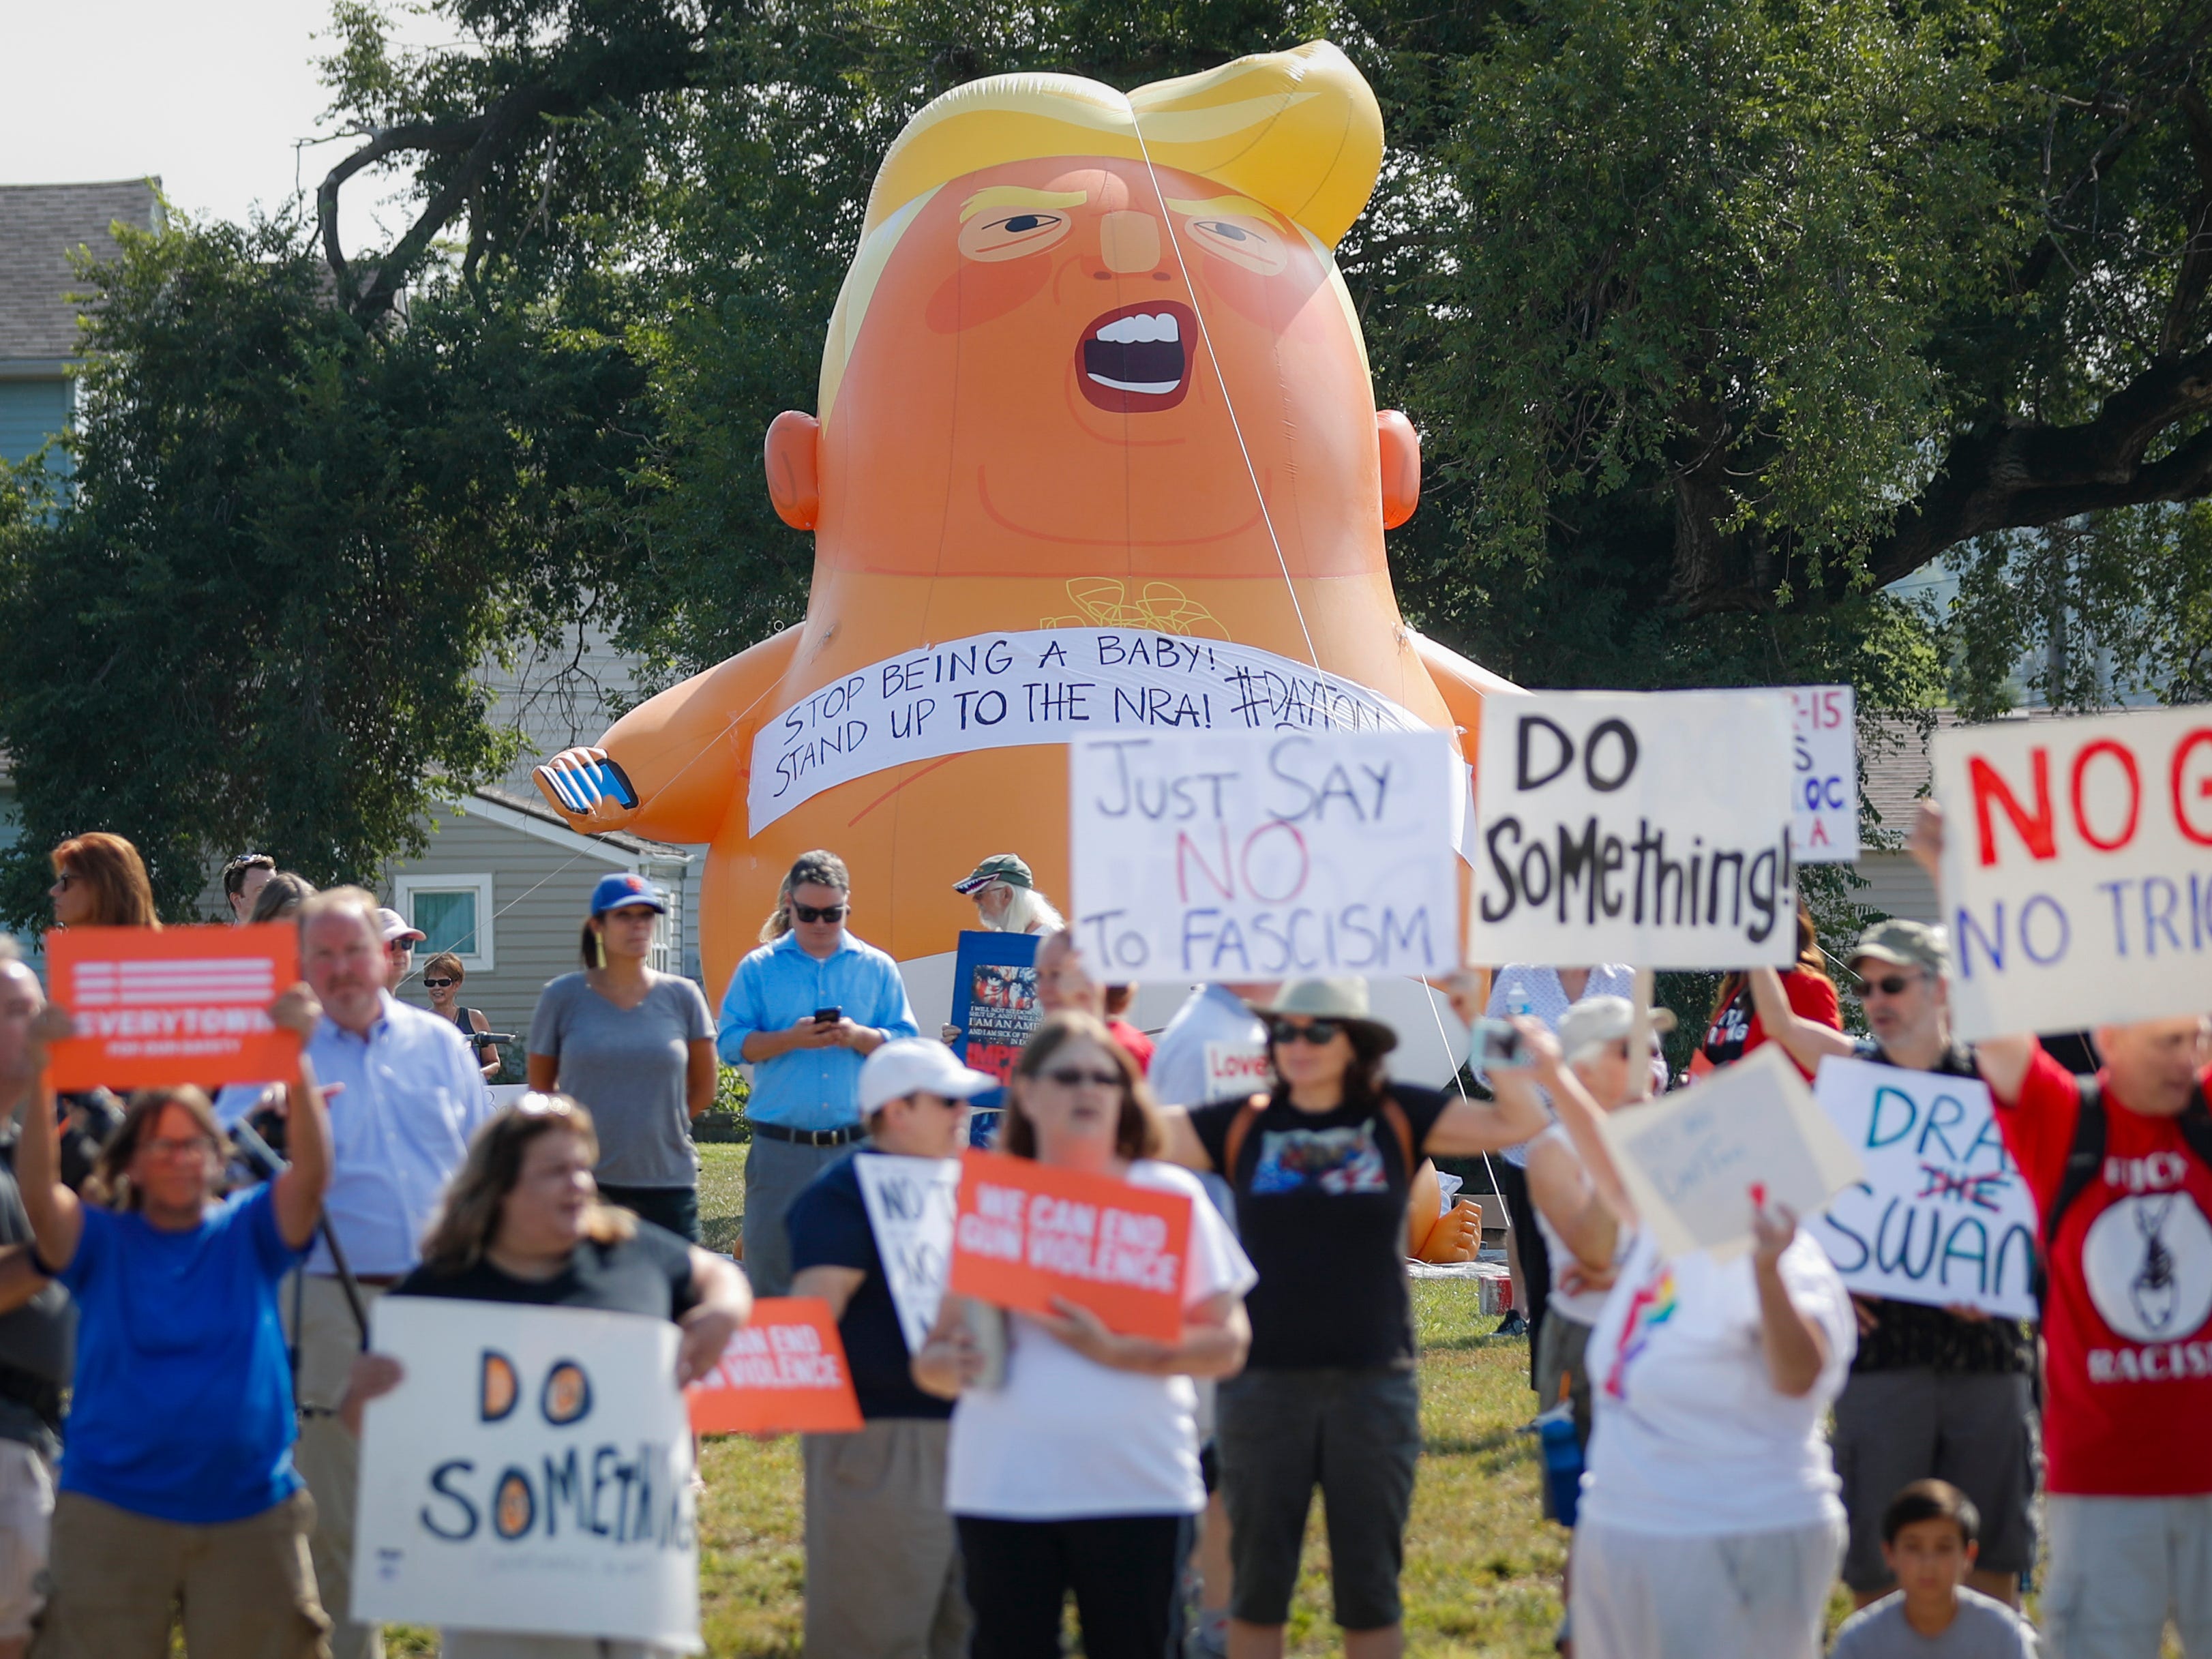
(1563, 1459)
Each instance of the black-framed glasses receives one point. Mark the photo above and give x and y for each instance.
(1890, 985)
(429, 984)
(1074, 1077)
(824, 913)
(1319, 1032)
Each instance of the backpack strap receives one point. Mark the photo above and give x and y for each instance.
(1240, 1127)
(2083, 1159)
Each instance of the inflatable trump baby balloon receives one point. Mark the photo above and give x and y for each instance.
(1095, 447)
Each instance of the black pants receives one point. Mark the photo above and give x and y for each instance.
(1125, 1571)
(1529, 1242)
(675, 1208)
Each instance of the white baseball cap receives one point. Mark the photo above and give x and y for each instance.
(397, 926)
(906, 1065)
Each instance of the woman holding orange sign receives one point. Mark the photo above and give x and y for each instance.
(1079, 1470)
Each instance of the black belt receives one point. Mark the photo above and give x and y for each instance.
(844, 1137)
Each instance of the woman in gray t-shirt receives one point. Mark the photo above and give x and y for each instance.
(638, 1049)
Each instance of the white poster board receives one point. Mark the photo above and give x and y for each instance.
(1042, 685)
(532, 1474)
(2077, 870)
(1690, 1159)
(1942, 1215)
(1824, 791)
(1274, 856)
(909, 1203)
(1643, 826)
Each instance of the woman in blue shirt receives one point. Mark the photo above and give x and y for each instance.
(177, 1485)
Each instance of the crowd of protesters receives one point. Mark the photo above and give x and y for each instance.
(1747, 1430)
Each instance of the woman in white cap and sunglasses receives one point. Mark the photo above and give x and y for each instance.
(635, 1046)
(1322, 1167)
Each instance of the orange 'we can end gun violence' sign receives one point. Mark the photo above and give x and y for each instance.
(186, 1004)
(1023, 1233)
(784, 1373)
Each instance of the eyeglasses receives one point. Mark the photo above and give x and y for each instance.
(1075, 1077)
(1890, 985)
(165, 1147)
(826, 913)
(429, 984)
(65, 881)
(1316, 1031)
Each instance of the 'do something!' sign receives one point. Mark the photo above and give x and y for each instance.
(1942, 1216)
(1646, 827)
(532, 1474)
(1271, 856)
(2077, 869)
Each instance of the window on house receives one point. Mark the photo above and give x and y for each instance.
(455, 912)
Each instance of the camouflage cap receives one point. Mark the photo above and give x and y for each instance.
(1906, 944)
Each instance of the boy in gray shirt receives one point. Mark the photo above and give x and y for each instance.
(1930, 1539)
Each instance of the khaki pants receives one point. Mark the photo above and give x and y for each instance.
(27, 1517)
(328, 1458)
(247, 1590)
(882, 1561)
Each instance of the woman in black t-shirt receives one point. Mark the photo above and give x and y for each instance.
(522, 1222)
(1321, 1168)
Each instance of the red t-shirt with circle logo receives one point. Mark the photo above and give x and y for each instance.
(2127, 1322)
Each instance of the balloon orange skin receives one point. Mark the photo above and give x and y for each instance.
(971, 478)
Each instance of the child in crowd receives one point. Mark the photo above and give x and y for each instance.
(1928, 1538)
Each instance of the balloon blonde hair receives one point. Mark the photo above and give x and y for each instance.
(1297, 133)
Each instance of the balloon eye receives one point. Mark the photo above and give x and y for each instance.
(1020, 222)
(1228, 230)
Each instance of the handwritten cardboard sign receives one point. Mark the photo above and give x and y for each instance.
(1824, 796)
(1266, 857)
(184, 1005)
(1942, 1215)
(910, 1202)
(1651, 828)
(1044, 685)
(1691, 1159)
(531, 1473)
(784, 1373)
(2077, 869)
(1025, 1232)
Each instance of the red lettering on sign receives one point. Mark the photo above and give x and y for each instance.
(2089, 752)
(2036, 828)
(2200, 835)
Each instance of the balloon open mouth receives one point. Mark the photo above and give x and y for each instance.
(1136, 358)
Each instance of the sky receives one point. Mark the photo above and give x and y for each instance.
(210, 96)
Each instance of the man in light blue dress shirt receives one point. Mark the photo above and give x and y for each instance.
(805, 1108)
(407, 1098)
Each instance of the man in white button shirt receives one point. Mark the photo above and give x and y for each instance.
(409, 1097)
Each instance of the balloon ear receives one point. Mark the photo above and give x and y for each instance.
(794, 478)
(1401, 447)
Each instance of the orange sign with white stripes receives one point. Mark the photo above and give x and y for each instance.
(184, 1005)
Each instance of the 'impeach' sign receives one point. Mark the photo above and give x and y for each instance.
(186, 1004)
(784, 1373)
(1025, 1232)
(2077, 869)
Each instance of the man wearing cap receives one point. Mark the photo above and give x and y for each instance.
(406, 1097)
(1007, 898)
(399, 937)
(1934, 1393)
(883, 1563)
(804, 1106)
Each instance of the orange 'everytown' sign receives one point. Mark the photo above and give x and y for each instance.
(1025, 1232)
(184, 1005)
(784, 1373)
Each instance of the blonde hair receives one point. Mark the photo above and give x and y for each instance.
(1297, 133)
(468, 1218)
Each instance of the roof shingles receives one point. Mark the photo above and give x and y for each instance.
(41, 226)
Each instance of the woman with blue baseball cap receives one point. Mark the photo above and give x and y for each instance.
(637, 1047)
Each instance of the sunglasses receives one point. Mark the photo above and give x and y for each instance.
(1890, 985)
(437, 984)
(1316, 1031)
(1074, 1077)
(826, 913)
